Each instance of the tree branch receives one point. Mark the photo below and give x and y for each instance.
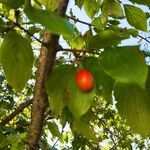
(29, 33)
(90, 25)
(80, 51)
(9, 27)
(111, 133)
(45, 66)
(77, 20)
(18, 110)
(144, 38)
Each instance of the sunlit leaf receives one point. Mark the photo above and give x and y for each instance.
(53, 22)
(133, 105)
(51, 5)
(136, 17)
(125, 64)
(145, 2)
(91, 7)
(113, 9)
(106, 38)
(79, 3)
(97, 23)
(77, 43)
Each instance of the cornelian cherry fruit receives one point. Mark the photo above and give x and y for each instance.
(84, 80)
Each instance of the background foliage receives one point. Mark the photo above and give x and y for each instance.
(115, 114)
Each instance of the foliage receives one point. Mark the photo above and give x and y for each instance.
(115, 114)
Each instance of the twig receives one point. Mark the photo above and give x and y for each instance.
(79, 51)
(46, 115)
(144, 38)
(19, 109)
(58, 138)
(111, 133)
(115, 145)
(77, 20)
(22, 28)
(29, 33)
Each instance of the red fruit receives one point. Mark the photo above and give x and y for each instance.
(84, 80)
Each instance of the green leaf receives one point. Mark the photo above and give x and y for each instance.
(53, 22)
(133, 105)
(133, 32)
(106, 38)
(54, 129)
(79, 102)
(97, 23)
(148, 79)
(79, 3)
(6, 105)
(145, 2)
(16, 141)
(104, 17)
(16, 57)
(112, 9)
(66, 116)
(103, 82)
(51, 5)
(17, 145)
(136, 17)
(84, 129)
(91, 7)
(125, 64)
(56, 88)
(77, 43)
(13, 3)
(3, 141)
(63, 91)
(114, 22)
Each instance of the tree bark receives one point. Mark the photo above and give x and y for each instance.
(45, 66)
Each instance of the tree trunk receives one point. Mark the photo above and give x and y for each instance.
(45, 65)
